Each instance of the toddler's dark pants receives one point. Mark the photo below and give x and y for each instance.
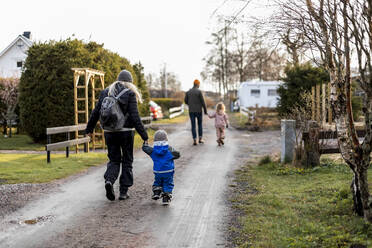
(164, 182)
(120, 151)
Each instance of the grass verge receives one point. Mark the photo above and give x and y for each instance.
(179, 119)
(32, 168)
(289, 207)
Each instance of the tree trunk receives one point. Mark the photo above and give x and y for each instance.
(311, 146)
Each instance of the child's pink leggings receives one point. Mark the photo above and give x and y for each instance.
(220, 132)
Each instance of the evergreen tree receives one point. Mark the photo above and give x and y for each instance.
(298, 80)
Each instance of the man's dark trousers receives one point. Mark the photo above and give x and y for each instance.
(120, 151)
(199, 117)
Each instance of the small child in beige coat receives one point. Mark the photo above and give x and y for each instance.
(221, 122)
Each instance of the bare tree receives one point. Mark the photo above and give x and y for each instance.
(326, 27)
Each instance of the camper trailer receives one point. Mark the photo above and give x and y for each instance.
(258, 93)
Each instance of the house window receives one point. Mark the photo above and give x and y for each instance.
(255, 93)
(19, 64)
(272, 93)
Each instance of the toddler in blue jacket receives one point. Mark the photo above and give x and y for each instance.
(163, 157)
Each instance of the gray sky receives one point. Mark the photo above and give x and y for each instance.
(153, 32)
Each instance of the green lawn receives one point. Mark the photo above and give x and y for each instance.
(287, 207)
(33, 168)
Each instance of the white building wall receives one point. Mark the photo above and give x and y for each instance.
(248, 97)
(8, 61)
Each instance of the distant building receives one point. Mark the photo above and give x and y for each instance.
(260, 93)
(13, 56)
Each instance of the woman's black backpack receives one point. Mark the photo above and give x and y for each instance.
(112, 117)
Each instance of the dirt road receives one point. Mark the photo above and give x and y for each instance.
(77, 214)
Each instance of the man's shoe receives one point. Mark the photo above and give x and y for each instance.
(110, 194)
(201, 141)
(123, 196)
(195, 142)
(156, 195)
(167, 198)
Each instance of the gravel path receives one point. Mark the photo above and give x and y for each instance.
(74, 212)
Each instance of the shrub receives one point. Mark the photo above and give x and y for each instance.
(46, 86)
(298, 80)
(167, 103)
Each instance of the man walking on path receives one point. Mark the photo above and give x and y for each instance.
(194, 98)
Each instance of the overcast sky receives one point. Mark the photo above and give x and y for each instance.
(153, 32)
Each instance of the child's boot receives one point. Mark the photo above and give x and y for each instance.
(157, 192)
(156, 195)
(167, 198)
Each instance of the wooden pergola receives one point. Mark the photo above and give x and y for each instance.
(95, 79)
(321, 110)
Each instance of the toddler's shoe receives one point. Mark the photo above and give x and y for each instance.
(167, 198)
(156, 195)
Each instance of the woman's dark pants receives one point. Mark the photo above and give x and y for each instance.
(120, 151)
(199, 117)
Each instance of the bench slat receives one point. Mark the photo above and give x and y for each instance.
(63, 144)
(65, 129)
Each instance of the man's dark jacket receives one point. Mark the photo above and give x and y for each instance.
(128, 104)
(194, 98)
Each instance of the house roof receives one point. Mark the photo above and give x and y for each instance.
(27, 41)
(257, 83)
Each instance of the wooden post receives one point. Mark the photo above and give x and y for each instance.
(76, 81)
(48, 152)
(313, 103)
(318, 103)
(93, 104)
(67, 147)
(329, 104)
(87, 80)
(324, 114)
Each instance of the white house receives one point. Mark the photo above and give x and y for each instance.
(260, 93)
(13, 56)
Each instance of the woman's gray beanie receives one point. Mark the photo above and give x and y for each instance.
(125, 76)
(160, 135)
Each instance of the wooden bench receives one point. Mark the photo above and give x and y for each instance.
(65, 144)
(327, 135)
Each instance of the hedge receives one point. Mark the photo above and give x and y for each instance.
(46, 86)
(167, 103)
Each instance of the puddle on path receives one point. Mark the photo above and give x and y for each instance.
(37, 220)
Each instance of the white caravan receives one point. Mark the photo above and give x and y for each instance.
(258, 93)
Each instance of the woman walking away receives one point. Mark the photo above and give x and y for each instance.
(117, 111)
(221, 122)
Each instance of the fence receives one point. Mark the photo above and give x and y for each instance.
(177, 111)
(75, 128)
(248, 113)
